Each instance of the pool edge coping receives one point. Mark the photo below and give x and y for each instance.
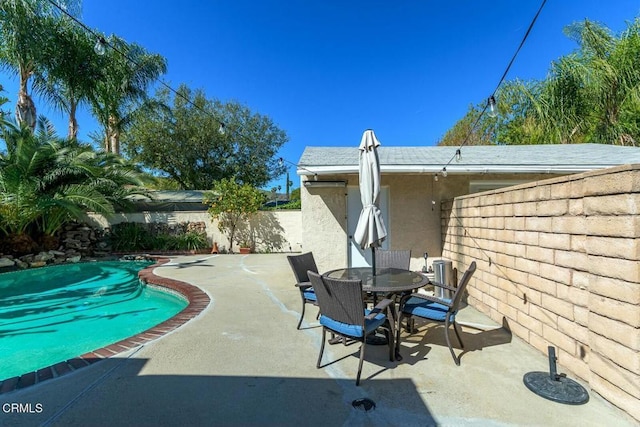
(197, 300)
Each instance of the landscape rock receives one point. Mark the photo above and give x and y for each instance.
(43, 257)
(6, 262)
(36, 264)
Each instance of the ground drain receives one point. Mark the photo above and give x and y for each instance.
(554, 386)
(364, 404)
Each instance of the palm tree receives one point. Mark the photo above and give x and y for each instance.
(591, 95)
(70, 71)
(26, 27)
(612, 77)
(127, 72)
(46, 181)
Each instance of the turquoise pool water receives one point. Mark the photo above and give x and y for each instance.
(51, 314)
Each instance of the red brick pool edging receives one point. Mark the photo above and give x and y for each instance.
(197, 299)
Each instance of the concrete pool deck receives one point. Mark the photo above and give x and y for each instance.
(242, 362)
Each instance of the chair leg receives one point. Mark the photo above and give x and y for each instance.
(446, 335)
(302, 314)
(324, 336)
(398, 330)
(364, 344)
(455, 328)
(392, 343)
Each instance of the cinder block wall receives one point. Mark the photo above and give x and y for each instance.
(559, 260)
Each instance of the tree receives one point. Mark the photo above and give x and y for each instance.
(3, 100)
(609, 70)
(590, 95)
(46, 181)
(295, 194)
(184, 141)
(232, 204)
(26, 31)
(470, 131)
(127, 72)
(71, 70)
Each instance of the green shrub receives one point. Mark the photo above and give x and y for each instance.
(133, 236)
(130, 236)
(192, 241)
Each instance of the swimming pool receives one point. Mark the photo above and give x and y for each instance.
(55, 313)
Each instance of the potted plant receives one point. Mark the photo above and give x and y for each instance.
(245, 247)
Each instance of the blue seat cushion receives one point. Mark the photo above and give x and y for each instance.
(427, 309)
(309, 294)
(353, 330)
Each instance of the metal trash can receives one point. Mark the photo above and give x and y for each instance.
(443, 273)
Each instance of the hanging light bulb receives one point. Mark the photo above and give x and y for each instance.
(280, 161)
(444, 172)
(435, 177)
(221, 129)
(99, 48)
(458, 155)
(493, 110)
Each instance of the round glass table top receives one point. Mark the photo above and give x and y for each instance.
(384, 280)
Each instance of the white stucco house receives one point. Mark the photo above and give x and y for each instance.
(413, 187)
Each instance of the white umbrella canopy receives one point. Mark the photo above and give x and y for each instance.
(370, 231)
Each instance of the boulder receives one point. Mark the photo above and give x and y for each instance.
(36, 264)
(43, 257)
(6, 262)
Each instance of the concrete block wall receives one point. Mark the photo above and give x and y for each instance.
(559, 260)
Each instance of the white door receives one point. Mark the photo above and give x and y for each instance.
(362, 257)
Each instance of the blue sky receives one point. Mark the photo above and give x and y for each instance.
(326, 71)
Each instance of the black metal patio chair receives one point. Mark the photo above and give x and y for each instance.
(301, 264)
(436, 309)
(343, 313)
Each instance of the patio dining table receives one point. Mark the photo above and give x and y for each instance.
(388, 281)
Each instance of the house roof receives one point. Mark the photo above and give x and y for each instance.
(548, 158)
(169, 200)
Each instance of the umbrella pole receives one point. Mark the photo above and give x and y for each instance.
(373, 260)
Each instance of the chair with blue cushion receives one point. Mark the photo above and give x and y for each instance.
(436, 309)
(300, 264)
(343, 313)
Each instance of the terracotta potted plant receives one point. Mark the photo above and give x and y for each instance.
(245, 247)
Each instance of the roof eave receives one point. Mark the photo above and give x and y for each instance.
(454, 169)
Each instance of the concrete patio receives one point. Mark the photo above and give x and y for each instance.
(242, 362)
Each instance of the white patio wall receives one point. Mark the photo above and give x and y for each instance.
(276, 231)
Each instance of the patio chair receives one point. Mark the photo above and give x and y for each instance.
(436, 309)
(393, 259)
(343, 313)
(300, 264)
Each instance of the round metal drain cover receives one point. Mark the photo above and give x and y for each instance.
(364, 404)
(561, 390)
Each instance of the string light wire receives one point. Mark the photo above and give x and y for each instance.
(222, 129)
(492, 96)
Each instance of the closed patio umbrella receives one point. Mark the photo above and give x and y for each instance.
(370, 231)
